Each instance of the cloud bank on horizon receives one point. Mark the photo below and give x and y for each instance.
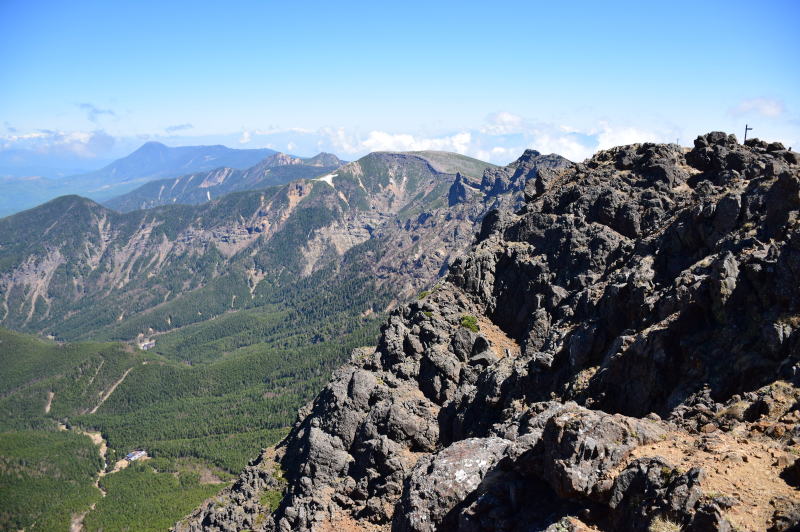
(499, 139)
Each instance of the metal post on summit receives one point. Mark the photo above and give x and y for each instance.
(746, 129)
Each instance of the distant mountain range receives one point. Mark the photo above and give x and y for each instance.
(152, 160)
(199, 187)
(76, 269)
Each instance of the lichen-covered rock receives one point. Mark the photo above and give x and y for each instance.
(443, 481)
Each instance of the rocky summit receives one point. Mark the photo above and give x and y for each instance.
(622, 353)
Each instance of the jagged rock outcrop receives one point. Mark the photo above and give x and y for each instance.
(622, 353)
(460, 191)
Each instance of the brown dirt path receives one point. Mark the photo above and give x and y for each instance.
(108, 392)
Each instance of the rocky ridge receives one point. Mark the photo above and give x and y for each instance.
(200, 187)
(623, 353)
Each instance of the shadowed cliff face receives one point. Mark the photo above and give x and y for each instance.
(604, 357)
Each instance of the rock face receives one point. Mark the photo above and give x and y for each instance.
(643, 302)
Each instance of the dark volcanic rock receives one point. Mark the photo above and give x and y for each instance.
(460, 191)
(441, 482)
(650, 487)
(648, 282)
(524, 170)
(786, 517)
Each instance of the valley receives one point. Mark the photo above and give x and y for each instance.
(213, 415)
(291, 280)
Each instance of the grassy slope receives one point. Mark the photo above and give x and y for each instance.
(451, 163)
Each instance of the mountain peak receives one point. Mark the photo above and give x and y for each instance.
(151, 145)
(324, 159)
(527, 156)
(281, 159)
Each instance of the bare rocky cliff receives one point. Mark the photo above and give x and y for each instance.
(622, 353)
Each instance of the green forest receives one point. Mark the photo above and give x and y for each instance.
(45, 478)
(214, 393)
(142, 499)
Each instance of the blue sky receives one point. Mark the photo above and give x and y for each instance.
(95, 79)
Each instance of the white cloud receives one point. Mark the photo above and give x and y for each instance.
(573, 143)
(761, 106)
(503, 123)
(382, 141)
(338, 139)
(178, 127)
(495, 154)
(608, 136)
(85, 144)
(563, 144)
(500, 141)
(273, 130)
(28, 136)
(499, 151)
(248, 135)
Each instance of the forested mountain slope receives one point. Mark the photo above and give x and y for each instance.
(622, 353)
(204, 419)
